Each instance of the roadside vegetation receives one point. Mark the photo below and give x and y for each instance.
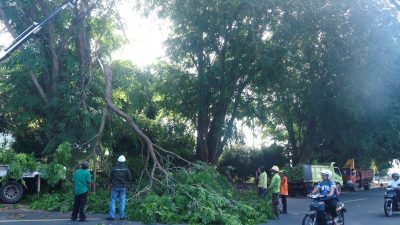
(309, 81)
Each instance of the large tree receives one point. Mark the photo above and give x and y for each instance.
(50, 85)
(335, 66)
(216, 50)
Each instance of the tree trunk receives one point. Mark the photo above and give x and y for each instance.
(292, 140)
(306, 147)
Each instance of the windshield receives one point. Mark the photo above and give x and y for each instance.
(337, 171)
(346, 171)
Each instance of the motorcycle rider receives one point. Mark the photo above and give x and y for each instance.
(395, 183)
(327, 188)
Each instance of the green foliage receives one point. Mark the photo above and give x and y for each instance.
(63, 153)
(55, 171)
(18, 163)
(245, 161)
(199, 195)
(61, 202)
(52, 172)
(216, 51)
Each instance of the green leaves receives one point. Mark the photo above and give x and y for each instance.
(53, 172)
(199, 195)
(17, 164)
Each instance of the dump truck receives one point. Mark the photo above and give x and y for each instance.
(303, 178)
(355, 179)
(13, 190)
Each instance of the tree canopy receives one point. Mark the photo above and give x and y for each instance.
(319, 77)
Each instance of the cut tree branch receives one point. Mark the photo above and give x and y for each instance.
(149, 144)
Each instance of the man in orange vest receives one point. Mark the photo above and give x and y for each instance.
(284, 192)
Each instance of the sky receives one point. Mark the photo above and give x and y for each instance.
(145, 37)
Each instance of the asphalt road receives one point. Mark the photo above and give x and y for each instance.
(363, 208)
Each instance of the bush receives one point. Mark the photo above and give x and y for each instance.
(245, 161)
(198, 195)
(62, 202)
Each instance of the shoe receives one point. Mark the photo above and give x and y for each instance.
(73, 219)
(110, 218)
(123, 218)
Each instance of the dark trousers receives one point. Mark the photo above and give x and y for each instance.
(396, 200)
(79, 206)
(330, 207)
(261, 192)
(284, 203)
(275, 203)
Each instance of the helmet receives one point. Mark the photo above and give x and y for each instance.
(121, 158)
(275, 168)
(395, 175)
(326, 172)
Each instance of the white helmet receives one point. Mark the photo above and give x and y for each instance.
(121, 158)
(326, 172)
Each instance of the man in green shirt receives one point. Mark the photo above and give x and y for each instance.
(275, 188)
(262, 182)
(82, 179)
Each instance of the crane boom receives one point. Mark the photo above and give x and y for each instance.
(33, 29)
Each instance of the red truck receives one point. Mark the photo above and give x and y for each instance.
(356, 179)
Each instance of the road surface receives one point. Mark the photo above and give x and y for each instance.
(363, 208)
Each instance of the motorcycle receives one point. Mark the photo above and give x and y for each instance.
(311, 217)
(390, 197)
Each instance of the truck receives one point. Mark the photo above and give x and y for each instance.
(12, 191)
(355, 179)
(303, 178)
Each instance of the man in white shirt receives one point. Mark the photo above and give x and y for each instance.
(396, 181)
(396, 184)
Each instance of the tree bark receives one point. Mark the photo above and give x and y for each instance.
(39, 88)
(306, 147)
(83, 45)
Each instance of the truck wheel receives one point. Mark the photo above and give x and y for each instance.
(11, 192)
(355, 187)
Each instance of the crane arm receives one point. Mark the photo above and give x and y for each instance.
(33, 29)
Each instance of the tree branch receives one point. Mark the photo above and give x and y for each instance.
(108, 80)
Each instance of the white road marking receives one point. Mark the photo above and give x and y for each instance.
(356, 200)
(298, 212)
(42, 220)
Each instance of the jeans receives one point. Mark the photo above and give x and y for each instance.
(79, 206)
(330, 207)
(115, 192)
